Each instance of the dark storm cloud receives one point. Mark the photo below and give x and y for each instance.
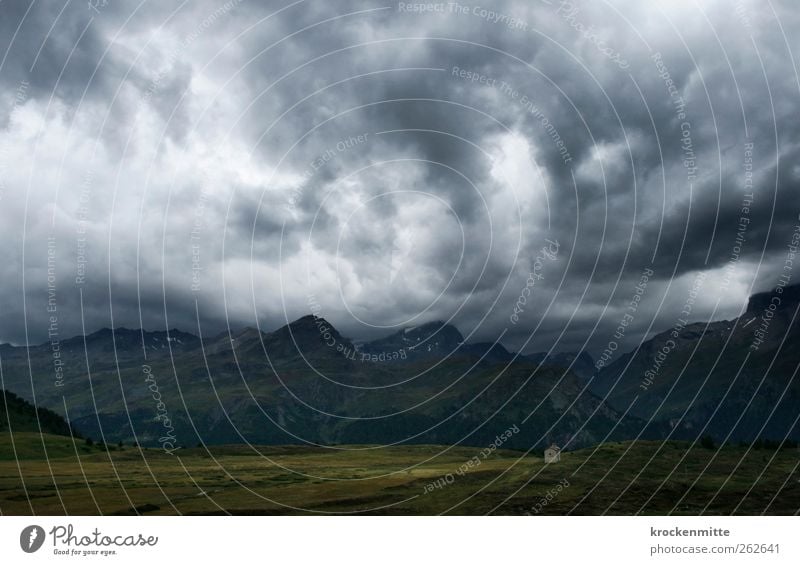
(234, 140)
(61, 51)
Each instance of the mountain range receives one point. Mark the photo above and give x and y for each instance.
(732, 379)
(305, 383)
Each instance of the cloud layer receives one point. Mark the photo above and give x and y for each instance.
(226, 164)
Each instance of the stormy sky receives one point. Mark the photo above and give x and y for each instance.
(213, 164)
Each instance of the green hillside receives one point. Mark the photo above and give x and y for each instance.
(18, 415)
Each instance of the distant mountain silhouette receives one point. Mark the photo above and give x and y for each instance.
(736, 377)
(428, 340)
(307, 383)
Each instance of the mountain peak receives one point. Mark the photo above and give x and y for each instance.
(435, 337)
(789, 295)
(307, 325)
(309, 320)
(308, 335)
(438, 331)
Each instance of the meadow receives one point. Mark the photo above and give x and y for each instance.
(616, 478)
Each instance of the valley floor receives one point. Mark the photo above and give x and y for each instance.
(616, 479)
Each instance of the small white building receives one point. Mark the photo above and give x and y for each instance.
(552, 454)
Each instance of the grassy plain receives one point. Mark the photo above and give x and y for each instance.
(617, 478)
